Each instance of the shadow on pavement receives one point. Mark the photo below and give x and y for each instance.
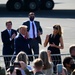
(40, 13)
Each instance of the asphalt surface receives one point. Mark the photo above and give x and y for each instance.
(63, 14)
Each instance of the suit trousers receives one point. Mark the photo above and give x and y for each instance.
(35, 46)
(7, 62)
(6, 58)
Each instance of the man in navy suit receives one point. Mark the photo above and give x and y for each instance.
(21, 41)
(34, 31)
(7, 37)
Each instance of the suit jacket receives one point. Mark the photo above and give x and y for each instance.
(8, 46)
(21, 44)
(37, 23)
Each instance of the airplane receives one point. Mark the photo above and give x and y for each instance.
(31, 5)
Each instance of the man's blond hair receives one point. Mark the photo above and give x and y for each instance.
(22, 26)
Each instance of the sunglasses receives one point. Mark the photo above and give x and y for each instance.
(54, 27)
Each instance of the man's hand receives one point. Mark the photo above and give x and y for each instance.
(39, 33)
(13, 36)
(49, 53)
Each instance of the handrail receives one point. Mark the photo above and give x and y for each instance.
(35, 55)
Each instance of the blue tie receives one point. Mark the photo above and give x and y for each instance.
(10, 33)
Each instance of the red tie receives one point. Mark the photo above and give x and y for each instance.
(25, 37)
(33, 30)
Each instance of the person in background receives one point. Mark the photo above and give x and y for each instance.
(55, 41)
(17, 71)
(22, 56)
(72, 51)
(48, 65)
(38, 66)
(69, 65)
(7, 37)
(17, 66)
(34, 32)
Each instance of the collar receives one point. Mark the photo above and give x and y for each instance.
(8, 30)
(23, 35)
(31, 21)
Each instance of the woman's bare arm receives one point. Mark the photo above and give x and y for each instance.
(61, 44)
(46, 40)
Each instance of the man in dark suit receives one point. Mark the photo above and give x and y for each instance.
(34, 31)
(7, 37)
(21, 41)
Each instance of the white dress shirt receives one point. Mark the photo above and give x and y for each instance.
(31, 30)
(23, 35)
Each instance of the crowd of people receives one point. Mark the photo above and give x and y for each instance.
(25, 41)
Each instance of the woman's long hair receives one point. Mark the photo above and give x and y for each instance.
(22, 56)
(43, 55)
(58, 27)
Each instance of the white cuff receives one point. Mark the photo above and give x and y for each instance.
(10, 39)
(14, 52)
(28, 46)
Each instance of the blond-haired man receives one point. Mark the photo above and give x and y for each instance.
(21, 41)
